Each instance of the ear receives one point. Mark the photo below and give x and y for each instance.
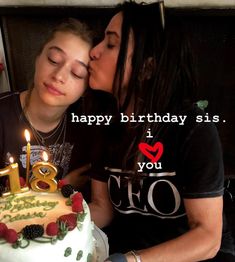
(147, 70)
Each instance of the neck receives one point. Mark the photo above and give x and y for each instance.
(42, 117)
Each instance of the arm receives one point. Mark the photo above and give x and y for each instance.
(201, 242)
(76, 177)
(100, 206)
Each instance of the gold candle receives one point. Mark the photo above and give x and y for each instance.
(28, 151)
(44, 172)
(14, 179)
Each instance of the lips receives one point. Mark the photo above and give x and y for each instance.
(91, 67)
(53, 90)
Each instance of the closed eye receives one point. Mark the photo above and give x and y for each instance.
(110, 46)
(78, 76)
(52, 61)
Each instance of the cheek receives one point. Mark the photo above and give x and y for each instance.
(78, 90)
(40, 71)
(108, 74)
(36, 77)
(102, 79)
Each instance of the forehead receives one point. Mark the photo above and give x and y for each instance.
(71, 45)
(115, 28)
(66, 39)
(115, 23)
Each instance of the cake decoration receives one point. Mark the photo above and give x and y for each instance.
(44, 172)
(68, 251)
(43, 216)
(28, 150)
(54, 229)
(12, 171)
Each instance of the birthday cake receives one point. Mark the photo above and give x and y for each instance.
(45, 227)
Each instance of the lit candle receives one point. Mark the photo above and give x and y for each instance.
(14, 180)
(44, 172)
(27, 137)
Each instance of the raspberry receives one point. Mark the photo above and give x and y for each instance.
(70, 220)
(77, 197)
(77, 206)
(67, 190)
(3, 228)
(52, 229)
(33, 231)
(11, 236)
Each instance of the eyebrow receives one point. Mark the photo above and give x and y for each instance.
(62, 51)
(112, 33)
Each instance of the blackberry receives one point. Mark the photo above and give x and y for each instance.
(33, 231)
(67, 190)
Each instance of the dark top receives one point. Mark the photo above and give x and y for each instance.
(67, 145)
(150, 210)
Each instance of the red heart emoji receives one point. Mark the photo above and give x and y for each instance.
(158, 148)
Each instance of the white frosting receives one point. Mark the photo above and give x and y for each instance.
(79, 239)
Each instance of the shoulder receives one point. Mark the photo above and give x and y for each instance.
(198, 122)
(199, 138)
(197, 128)
(8, 97)
(9, 103)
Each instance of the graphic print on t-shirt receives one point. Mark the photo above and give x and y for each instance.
(155, 195)
(59, 155)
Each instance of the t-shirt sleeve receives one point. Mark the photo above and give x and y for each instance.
(202, 163)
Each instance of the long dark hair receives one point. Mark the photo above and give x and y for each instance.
(162, 78)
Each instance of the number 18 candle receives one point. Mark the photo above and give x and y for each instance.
(44, 173)
(14, 180)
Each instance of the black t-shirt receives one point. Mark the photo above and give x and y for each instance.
(150, 210)
(67, 151)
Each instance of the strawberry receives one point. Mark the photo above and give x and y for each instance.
(3, 229)
(52, 229)
(77, 197)
(61, 183)
(11, 236)
(77, 206)
(70, 220)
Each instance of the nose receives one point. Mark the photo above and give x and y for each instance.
(60, 74)
(96, 52)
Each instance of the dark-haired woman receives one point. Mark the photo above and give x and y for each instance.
(162, 182)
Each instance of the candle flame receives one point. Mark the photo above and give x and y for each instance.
(11, 159)
(27, 135)
(45, 156)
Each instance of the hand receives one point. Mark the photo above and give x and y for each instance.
(76, 177)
